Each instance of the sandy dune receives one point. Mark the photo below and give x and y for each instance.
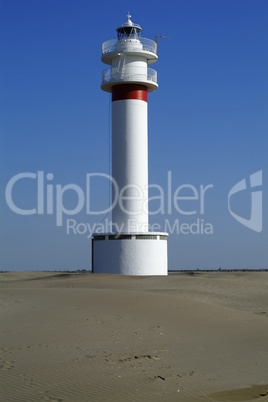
(86, 337)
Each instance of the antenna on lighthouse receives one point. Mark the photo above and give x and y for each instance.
(159, 36)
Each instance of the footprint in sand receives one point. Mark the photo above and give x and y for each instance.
(28, 382)
(7, 365)
(47, 397)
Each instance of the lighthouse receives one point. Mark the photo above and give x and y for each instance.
(130, 249)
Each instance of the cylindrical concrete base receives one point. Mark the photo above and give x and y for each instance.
(130, 253)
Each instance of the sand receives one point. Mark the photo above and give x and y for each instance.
(88, 337)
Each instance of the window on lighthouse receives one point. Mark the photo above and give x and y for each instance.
(128, 33)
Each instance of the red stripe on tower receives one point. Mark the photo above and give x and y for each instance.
(129, 91)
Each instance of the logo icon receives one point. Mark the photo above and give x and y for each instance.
(255, 220)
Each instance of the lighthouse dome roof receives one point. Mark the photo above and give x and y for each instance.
(128, 29)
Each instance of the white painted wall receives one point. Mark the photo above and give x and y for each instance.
(128, 67)
(130, 163)
(130, 257)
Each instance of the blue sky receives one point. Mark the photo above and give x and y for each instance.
(207, 125)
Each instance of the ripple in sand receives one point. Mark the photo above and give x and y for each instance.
(241, 394)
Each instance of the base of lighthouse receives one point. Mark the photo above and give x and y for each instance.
(130, 253)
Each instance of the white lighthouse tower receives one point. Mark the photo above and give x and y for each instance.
(130, 249)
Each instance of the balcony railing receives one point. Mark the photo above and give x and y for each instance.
(110, 74)
(148, 45)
